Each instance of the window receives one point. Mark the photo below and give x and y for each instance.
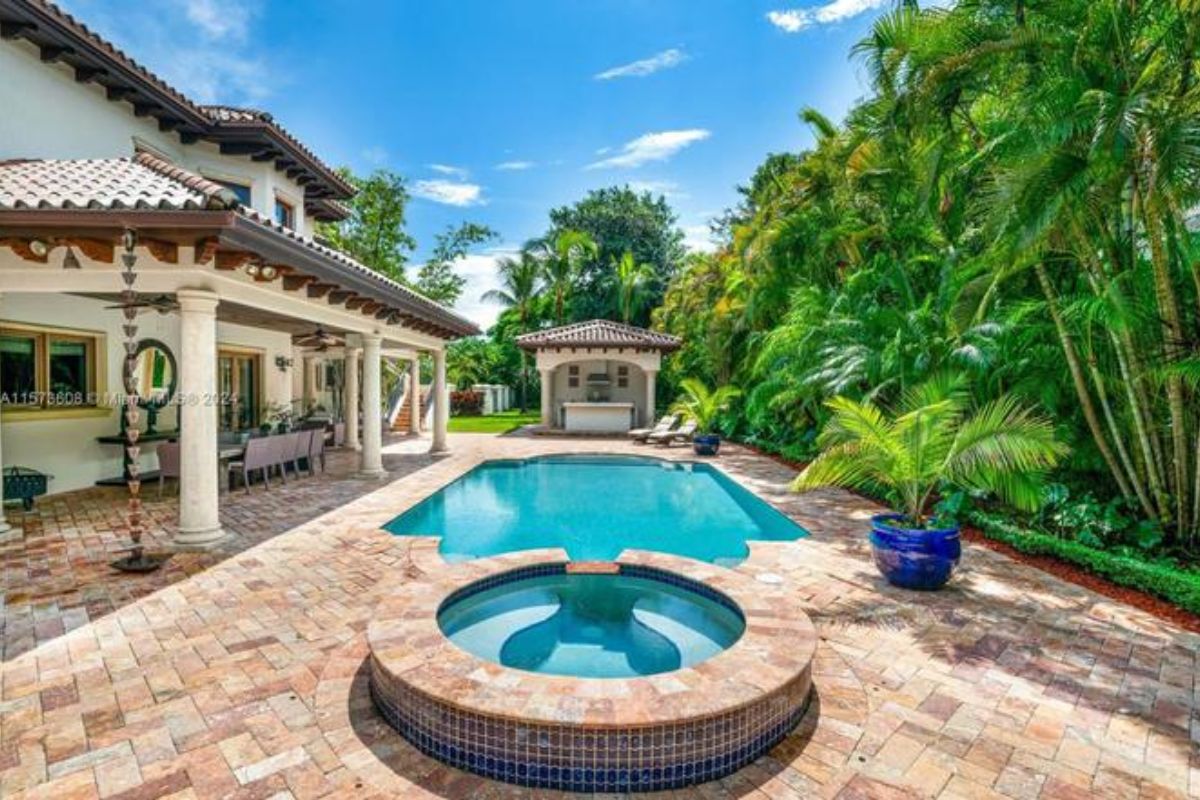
(573, 376)
(18, 369)
(622, 377)
(41, 368)
(238, 386)
(241, 190)
(285, 214)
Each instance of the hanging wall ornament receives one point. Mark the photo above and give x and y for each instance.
(137, 560)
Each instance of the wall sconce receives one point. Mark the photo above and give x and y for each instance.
(284, 363)
(252, 269)
(39, 248)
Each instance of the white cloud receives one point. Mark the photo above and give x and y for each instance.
(515, 166)
(646, 66)
(652, 147)
(797, 19)
(451, 193)
(480, 271)
(220, 19)
(698, 239)
(447, 169)
(669, 189)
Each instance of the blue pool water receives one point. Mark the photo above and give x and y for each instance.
(594, 507)
(591, 626)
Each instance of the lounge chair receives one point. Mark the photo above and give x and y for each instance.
(683, 433)
(665, 424)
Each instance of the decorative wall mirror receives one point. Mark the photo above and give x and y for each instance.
(153, 376)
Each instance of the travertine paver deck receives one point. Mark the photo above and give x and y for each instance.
(245, 678)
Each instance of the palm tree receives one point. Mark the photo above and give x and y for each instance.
(563, 258)
(702, 406)
(932, 439)
(520, 284)
(633, 281)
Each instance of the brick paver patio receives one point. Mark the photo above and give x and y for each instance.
(239, 672)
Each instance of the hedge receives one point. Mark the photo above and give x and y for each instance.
(1173, 584)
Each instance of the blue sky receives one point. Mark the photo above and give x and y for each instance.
(498, 110)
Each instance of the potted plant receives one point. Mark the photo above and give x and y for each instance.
(933, 439)
(278, 417)
(702, 406)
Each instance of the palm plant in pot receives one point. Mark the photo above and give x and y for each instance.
(932, 440)
(700, 405)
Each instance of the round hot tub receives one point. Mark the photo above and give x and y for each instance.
(651, 673)
(617, 624)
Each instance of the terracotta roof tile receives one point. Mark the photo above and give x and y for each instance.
(598, 333)
(110, 183)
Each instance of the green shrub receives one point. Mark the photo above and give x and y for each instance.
(1163, 579)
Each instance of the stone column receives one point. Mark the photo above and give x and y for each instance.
(441, 403)
(414, 396)
(351, 397)
(372, 437)
(199, 518)
(547, 376)
(651, 381)
(310, 384)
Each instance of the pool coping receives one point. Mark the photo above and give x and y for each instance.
(773, 655)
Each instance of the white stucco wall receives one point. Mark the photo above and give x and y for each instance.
(67, 448)
(45, 113)
(634, 393)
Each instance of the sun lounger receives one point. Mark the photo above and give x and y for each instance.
(683, 433)
(664, 425)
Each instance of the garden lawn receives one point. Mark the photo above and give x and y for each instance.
(503, 422)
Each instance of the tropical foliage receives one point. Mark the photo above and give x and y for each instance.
(702, 405)
(1011, 201)
(931, 441)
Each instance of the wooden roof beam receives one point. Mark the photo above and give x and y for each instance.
(319, 290)
(292, 283)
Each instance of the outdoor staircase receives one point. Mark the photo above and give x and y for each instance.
(405, 414)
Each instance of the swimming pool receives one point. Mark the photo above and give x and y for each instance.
(595, 506)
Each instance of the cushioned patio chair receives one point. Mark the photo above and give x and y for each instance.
(168, 463)
(665, 424)
(316, 453)
(300, 447)
(258, 456)
(683, 433)
(285, 451)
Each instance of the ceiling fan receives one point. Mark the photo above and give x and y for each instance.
(320, 340)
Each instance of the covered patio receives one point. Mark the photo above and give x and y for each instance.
(247, 314)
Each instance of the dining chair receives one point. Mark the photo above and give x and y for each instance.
(168, 463)
(259, 455)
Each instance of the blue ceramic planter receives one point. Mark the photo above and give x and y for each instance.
(912, 558)
(706, 444)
